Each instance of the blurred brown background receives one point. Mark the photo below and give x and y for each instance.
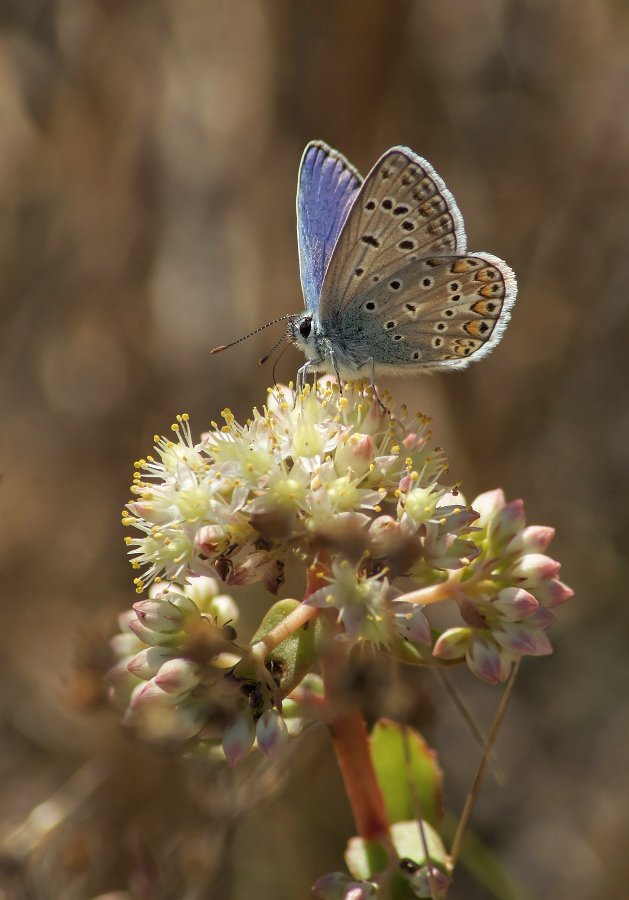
(148, 162)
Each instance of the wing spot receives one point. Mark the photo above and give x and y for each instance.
(427, 282)
(371, 240)
(359, 272)
(371, 305)
(407, 225)
(441, 326)
(385, 173)
(416, 355)
(411, 308)
(395, 285)
(488, 274)
(387, 203)
(406, 245)
(454, 286)
(494, 289)
(375, 278)
(398, 337)
(400, 210)
(390, 324)
(406, 180)
(437, 342)
(370, 205)
(434, 263)
(448, 312)
(440, 226)
(456, 297)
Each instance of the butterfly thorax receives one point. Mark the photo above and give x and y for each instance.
(325, 346)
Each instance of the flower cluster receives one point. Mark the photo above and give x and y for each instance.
(354, 493)
(506, 593)
(308, 475)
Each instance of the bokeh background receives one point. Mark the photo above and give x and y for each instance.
(148, 162)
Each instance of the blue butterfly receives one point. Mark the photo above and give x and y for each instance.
(388, 285)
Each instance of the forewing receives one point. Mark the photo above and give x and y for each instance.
(402, 212)
(435, 312)
(326, 189)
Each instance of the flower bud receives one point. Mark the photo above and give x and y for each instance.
(485, 661)
(211, 539)
(177, 676)
(159, 615)
(488, 504)
(148, 662)
(148, 636)
(553, 592)
(271, 732)
(201, 589)
(355, 454)
(223, 609)
(533, 568)
(452, 644)
(506, 523)
(521, 640)
(533, 539)
(238, 737)
(515, 604)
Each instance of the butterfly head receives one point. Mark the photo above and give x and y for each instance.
(303, 331)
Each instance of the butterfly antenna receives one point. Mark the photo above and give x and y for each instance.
(263, 359)
(275, 365)
(251, 333)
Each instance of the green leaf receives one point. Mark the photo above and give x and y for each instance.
(407, 772)
(365, 859)
(290, 661)
(408, 842)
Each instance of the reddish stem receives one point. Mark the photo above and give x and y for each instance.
(351, 744)
(350, 739)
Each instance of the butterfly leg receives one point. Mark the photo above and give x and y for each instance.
(335, 366)
(302, 374)
(374, 388)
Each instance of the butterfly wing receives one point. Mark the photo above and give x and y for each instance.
(402, 212)
(436, 312)
(326, 189)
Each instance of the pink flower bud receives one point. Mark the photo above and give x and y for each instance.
(148, 662)
(271, 732)
(452, 644)
(553, 592)
(515, 604)
(484, 661)
(177, 676)
(521, 640)
(211, 539)
(355, 454)
(533, 568)
(238, 737)
(147, 635)
(253, 568)
(332, 886)
(506, 523)
(151, 693)
(159, 615)
(488, 504)
(533, 539)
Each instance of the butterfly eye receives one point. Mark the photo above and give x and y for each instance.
(305, 326)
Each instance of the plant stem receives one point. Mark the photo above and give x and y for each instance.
(471, 797)
(351, 745)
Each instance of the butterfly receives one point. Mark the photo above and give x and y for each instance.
(388, 284)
